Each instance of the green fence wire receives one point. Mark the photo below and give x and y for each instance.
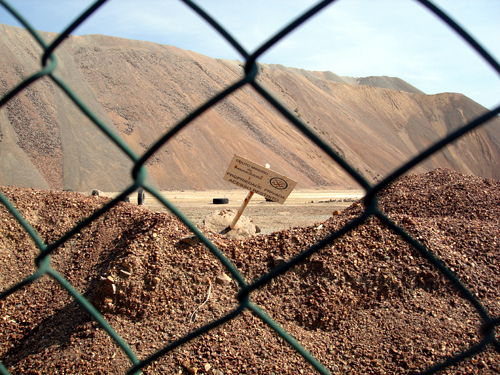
(48, 68)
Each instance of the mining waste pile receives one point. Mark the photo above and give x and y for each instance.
(366, 304)
(141, 90)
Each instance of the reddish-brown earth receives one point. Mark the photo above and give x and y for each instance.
(367, 304)
(140, 90)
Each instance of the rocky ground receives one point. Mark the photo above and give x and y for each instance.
(302, 208)
(368, 304)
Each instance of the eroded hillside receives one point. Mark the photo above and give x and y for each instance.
(141, 89)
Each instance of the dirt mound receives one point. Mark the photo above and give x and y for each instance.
(367, 304)
(219, 221)
(443, 192)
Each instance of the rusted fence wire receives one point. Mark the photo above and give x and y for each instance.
(48, 69)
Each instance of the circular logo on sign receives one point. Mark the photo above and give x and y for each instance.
(278, 183)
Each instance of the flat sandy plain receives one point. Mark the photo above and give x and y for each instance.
(302, 208)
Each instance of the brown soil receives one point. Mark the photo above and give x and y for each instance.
(302, 208)
(367, 304)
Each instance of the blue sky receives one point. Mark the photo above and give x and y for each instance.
(355, 38)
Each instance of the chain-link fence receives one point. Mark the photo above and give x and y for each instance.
(48, 69)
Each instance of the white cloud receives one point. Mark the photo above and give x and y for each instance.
(351, 37)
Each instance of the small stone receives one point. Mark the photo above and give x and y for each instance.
(336, 213)
(278, 260)
(191, 240)
(207, 366)
(317, 263)
(223, 279)
(124, 273)
(187, 366)
(407, 220)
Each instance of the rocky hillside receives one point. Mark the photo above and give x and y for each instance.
(366, 304)
(142, 89)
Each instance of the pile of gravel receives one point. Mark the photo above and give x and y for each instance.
(367, 304)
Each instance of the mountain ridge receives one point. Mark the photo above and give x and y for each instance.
(142, 89)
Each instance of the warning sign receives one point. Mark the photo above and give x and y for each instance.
(259, 179)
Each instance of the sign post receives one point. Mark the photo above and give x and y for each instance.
(259, 180)
(242, 208)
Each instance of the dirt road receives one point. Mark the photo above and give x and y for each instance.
(302, 208)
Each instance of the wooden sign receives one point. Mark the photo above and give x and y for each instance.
(259, 179)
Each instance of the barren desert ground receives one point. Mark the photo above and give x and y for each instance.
(302, 208)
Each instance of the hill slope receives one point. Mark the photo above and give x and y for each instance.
(366, 304)
(141, 89)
